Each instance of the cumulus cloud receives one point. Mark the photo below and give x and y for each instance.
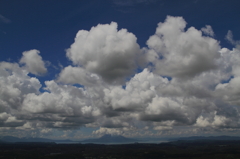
(102, 131)
(180, 111)
(230, 91)
(189, 84)
(181, 53)
(15, 84)
(215, 121)
(33, 62)
(139, 91)
(66, 106)
(77, 75)
(104, 50)
(162, 128)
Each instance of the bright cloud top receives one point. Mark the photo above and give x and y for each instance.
(182, 53)
(104, 50)
(187, 80)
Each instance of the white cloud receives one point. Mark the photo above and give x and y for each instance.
(182, 53)
(229, 91)
(183, 111)
(15, 84)
(62, 105)
(77, 75)
(103, 131)
(162, 128)
(33, 62)
(104, 50)
(139, 91)
(215, 121)
(46, 130)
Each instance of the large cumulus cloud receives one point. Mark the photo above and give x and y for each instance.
(104, 50)
(182, 53)
(139, 91)
(15, 84)
(71, 105)
(189, 84)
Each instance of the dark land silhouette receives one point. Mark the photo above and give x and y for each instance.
(189, 148)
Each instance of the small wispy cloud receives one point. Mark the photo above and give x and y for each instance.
(4, 19)
(131, 2)
(229, 38)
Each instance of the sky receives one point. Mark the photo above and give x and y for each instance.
(137, 68)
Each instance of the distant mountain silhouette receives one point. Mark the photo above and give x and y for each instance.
(113, 139)
(110, 139)
(30, 139)
(206, 138)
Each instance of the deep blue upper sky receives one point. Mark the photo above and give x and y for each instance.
(50, 26)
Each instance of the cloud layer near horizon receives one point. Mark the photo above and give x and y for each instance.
(187, 80)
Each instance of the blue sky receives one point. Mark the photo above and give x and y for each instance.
(79, 69)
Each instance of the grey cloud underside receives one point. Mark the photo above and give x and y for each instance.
(103, 58)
